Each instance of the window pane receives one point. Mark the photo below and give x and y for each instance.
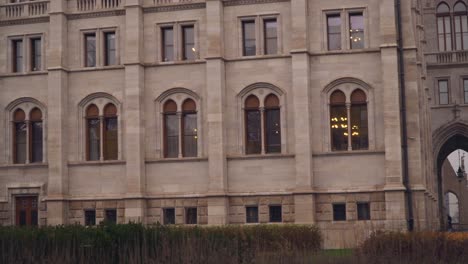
(253, 132)
(36, 144)
(111, 143)
(356, 22)
(363, 210)
(339, 212)
(172, 136)
(248, 33)
(448, 35)
(271, 36)
(35, 54)
(94, 139)
(190, 135)
(273, 130)
(17, 56)
(276, 214)
(188, 42)
(90, 217)
(169, 216)
(20, 142)
(168, 44)
(443, 92)
(465, 89)
(359, 129)
(191, 216)
(90, 50)
(251, 213)
(110, 49)
(339, 127)
(111, 215)
(334, 32)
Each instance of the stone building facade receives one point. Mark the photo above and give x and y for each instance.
(218, 112)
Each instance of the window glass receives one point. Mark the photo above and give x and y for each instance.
(90, 50)
(273, 130)
(36, 54)
(188, 39)
(111, 215)
(275, 214)
(248, 35)
(356, 23)
(190, 134)
(363, 210)
(36, 136)
(251, 213)
(465, 89)
(339, 212)
(271, 36)
(109, 48)
(253, 131)
(359, 126)
(111, 138)
(191, 216)
(94, 139)
(90, 217)
(443, 92)
(20, 140)
(334, 31)
(172, 135)
(17, 55)
(169, 216)
(168, 44)
(338, 121)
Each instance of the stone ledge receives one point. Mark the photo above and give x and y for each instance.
(264, 156)
(96, 163)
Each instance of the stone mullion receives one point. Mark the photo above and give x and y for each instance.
(28, 141)
(262, 129)
(348, 120)
(179, 138)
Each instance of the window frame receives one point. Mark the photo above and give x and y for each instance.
(336, 217)
(100, 45)
(178, 41)
(93, 221)
(460, 15)
(464, 85)
(270, 215)
(188, 217)
(165, 217)
(260, 34)
(437, 90)
(256, 218)
(345, 14)
(364, 217)
(333, 14)
(106, 218)
(106, 49)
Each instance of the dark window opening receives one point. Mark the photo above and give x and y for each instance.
(36, 54)
(191, 216)
(109, 48)
(276, 213)
(251, 213)
(17, 46)
(169, 216)
(90, 217)
(363, 210)
(111, 216)
(339, 212)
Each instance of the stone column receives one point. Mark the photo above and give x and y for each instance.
(57, 103)
(394, 196)
(134, 121)
(303, 197)
(215, 85)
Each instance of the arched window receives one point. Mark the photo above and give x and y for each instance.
(338, 121)
(36, 135)
(19, 137)
(189, 128)
(444, 29)
(93, 133)
(452, 206)
(460, 26)
(253, 125)
(110, 132)
(171, 130)
(272, 124)
(359, 127)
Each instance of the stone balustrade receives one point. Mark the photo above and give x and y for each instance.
(448, 57)
(24, 10)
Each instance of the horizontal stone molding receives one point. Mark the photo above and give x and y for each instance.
(177, 7)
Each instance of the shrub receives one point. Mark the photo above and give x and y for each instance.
(135, 243)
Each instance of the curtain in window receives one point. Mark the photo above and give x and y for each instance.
(272, 124)
(359, 122)
(36, 135)
(338, 121)
(93, 133)
(189, 123)
(171, 130)
(20, 134)
(110, 133)
(253, 125)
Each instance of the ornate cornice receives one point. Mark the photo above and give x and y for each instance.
(177, 7)
(96, 14)
(23, 21)
(250, 2)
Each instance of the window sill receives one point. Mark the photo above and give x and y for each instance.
(24, 166)
(348, 153)
(260, 156)
(19, 74)
(172, 63)
(98, 68)
(98, 163)
(170, 160)
(449, 106)
(346, 51)
(259, 57)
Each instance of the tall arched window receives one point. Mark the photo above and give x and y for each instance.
(171, 130)
(189, 128)
(110, 132)
(452, 206)
(19, 137)
(460, 26)
(338, 121)
(253, 125)
(93, 133)
(444, 29)
(272, 124)
(359, 127)
(36, 135)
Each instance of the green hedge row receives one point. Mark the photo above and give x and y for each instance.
(135, 243)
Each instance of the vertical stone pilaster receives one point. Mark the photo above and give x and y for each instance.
(134, 120)
(57, 103)
(304, 203)
(215, 84)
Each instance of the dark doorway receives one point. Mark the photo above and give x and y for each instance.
(26, 211)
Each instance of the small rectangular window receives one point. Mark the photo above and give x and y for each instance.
(90, 49)
(251, 213)
(188, 40)
(339, 212)
(465, 89)
(191, 216)
(167, 36)
(169, 216)
(36, 54)
(90, 217)
(356, 30)
(363, 211)
(334, 31)
(111, 215)
(248, 38)
(275, 214)
(109, 49)
(443, 92)
(17, 50)
(271, 35)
